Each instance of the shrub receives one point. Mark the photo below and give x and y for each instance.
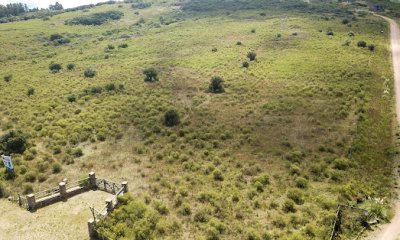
(288, 206)
(214, 50)
(96, 18)
(371, 47)
(330, 32)
(56, 167)
(2, 191)
(77, 152)
(141, 5)
(217, 175)
(13, 142)
(160, 207)
(123, 45)
(239, 43)
(8, 77)
(216, 85)
(71, 98)
(361, 44)
(253, 30)
(55, 36)
(89, 73)
(345, 21)
(110, 47)
(28, 188)
(296, 195)
(30, 176)
(201, 216)
(110, 87)
(70, 66)
(252, 56)
(171, 118)
(30, 91)
(301, 182)
(151, 75)
(341, 163)
(55, 67)
(185, 210)
(351, 34)
(245, 64)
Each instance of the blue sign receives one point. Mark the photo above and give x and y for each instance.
(8, 162)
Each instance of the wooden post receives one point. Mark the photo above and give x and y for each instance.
(125, 186)
(92, 180)
(31, 201)
(110, 206)
(63, 190)
(92, 231)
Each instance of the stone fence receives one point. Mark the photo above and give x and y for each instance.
(67, 190)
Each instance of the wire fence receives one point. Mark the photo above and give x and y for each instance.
(349, 221)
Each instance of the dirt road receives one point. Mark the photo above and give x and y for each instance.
(391, 231)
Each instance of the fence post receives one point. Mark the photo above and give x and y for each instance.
(19, 200)
(92, 180)
(125, 186)
(63, 190)
(31, 201)
(92, 231)
(109, 206)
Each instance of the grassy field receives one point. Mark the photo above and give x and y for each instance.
(307, 126)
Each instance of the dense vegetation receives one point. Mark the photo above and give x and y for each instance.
(248, 130)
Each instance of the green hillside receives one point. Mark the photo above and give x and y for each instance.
(305, 126)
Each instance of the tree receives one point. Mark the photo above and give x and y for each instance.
(171, 118)
(56, 6)
(252, 56)
(216, 85)
(151, 75)
(13, 142)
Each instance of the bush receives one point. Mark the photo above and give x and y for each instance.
(362, 44)
(141, 5)
(151, 75)
(288, 206)
(161, 208)
(345, 21)
(185, 210)
(55, 67)
(252, 56)
(56, 167)
(239, 43)
(341, 163)
(253, 30)
(171, 118)
(70, 66)
(110, 47)
(245, 64)
(217, 175)
(216, 85)
(123, 45)
(296, 195)
(71, 98)
(28, 188)
(96, 18)
(8, 77)
(2, 191)
(30, 176)
(371, 47)
(330, 32)
(110, 87)
(89, 73)
(301, 182)
(55, 36)
(30, 91)
(13, 142)
(214, 50)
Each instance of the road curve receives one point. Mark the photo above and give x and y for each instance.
(391, 231)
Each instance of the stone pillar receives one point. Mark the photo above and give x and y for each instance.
(63, 190)
(125, 186)
(31, 201)
(110, 206)
(92, 231)
(92, 180)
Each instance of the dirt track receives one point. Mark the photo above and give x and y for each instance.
(391, 231)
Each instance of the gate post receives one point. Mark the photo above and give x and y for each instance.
(63, 190)
(92, 180)
(125, 186)
(92, 231)
(31, 201)
(109, 206)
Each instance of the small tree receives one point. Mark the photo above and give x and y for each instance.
(151, 75)
(171, 118)
(362, 44)
(13, 142)
(90, 73)
(55, 67)
(216, 85)
(252, 56)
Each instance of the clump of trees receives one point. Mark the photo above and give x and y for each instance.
(216, 85)
(171, 118)
(141, 5)
(95, 18)
(13, 142)
(56, 6)
(151, 75)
